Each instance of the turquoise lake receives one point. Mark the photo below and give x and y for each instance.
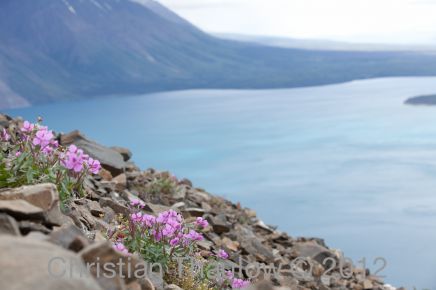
(349, 163)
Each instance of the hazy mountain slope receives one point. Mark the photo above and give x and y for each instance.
(162, 11)
(320, 44)
(54, 50)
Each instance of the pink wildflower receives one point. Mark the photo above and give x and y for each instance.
(175, 241)
(193, 236)
(73, 148)
(4, 135)
(239, 283)
(229, 274)
(165, 216)
(222, 254)
(43, 137)
(201, 222)
(18, 154)
(136, 217)
(47, 150)
(137, 202)
(157, 235)
(148, 220)
(94, 165)
(74, 159)
(121, 248)
(27, 127)
(171, 228)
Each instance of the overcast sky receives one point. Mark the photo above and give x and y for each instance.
(388, 21)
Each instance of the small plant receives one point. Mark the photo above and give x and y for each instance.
(158, 239)
(162, 185)
(168, 239)
(32, 155)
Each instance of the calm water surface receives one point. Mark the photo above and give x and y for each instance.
(349, 163)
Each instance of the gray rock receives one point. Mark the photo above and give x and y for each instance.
(251, 244)
(262, 285)
(134, 286)
(146, 284)
(110, 159)
(156, 280)
(115, 206)
(21, 209)
(27, 227)
(8, 225)
(193, 212)
(30, 264)
(120, 182)
(95, 208)
(367, 284)
(103, 253)
(206, 207)
(55, 217)
(172, 287)
(312, 250)
(126, 153)
(37, 236)
(109, 214)
(178, 205)
(44, 196)
(180, 193)
(155, 208)
(198, 196)
(82, 218)
(69, 237)
(4, 120)
(220, 224)
(186, 181)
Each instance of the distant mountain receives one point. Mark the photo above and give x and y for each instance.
(54, 50)
(321, 44)
(429, 100)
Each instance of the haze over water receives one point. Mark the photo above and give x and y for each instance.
(349, 163)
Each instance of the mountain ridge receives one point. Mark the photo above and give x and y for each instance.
(58, 50)
(325, 44)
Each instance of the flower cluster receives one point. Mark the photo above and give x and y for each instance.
(236, 283)
(31, 154)
(121, 248)
(40, 138)
(44, 138)
(137, 203)
(222, 254)
(165, 237)
(201, 222)
(74, 159)
(168, 230)
(4, 135)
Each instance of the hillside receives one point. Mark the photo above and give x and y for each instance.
(54, 50)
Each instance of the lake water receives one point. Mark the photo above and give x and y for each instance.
(349, 162)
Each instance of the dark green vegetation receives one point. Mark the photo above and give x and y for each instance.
(422, 100)
(54, 50)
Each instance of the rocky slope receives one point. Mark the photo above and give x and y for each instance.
(36, 237)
